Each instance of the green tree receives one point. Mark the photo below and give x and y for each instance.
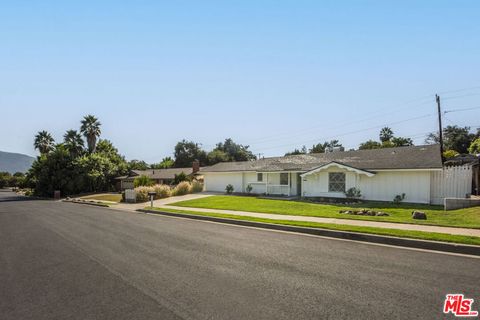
(73, 142)
(386, 134)
(322, 147)
(137, 165)
(5, 179)
(179, 178)
(370, 144)
(474, 147)
(188, 151)
(216, 156)
(43, 142)
(143, 180)
(454, 138)
(401, 142)
(235, 151)
(166, 163)
(297, 151)
(91, 130)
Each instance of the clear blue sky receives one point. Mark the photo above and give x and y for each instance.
(271, 74)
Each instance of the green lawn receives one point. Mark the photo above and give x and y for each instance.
(469, 218)
(371, 230)
(113, 197)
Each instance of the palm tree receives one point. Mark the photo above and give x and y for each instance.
(74, 142)
(386, 134)
(43, 142)
(91, 130)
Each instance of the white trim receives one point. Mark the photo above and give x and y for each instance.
(339, 165)
(426, 169)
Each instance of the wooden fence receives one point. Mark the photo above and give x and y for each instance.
(451, 182)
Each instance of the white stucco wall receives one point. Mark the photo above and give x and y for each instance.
(218, 181)
(383, 186)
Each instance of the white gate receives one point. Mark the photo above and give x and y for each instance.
(451, 182)
(130, 196)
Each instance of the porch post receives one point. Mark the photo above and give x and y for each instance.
(266, 183)
(289, 183)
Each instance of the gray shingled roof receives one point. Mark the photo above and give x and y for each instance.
(162, 173)
(415, 157)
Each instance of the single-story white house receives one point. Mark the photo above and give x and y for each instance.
(379, 174)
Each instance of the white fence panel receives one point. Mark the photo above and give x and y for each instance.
(130, 196)
(451, 182)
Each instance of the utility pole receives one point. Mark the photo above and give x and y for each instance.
(440, 130)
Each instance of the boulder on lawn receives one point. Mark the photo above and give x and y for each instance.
(382, 214)
(419, 215)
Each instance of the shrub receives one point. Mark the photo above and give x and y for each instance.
(180, 178)
(399, 198)
(197, 186)
(182, 188)
(229, 189)
(162, 190)
(249, 188)
(141, 193)
(353, 193)
(143, 180)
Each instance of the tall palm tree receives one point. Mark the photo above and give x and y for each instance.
(386, 134)
(43, 142)
(91, 130)
(74, 142)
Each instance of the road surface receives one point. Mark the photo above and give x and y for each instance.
(70, 261)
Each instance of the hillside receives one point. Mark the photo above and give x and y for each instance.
(15, 162)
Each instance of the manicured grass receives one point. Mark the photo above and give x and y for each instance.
(113, 197)
(468, 218)
(371, 230)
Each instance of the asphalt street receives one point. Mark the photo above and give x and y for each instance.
(70, 261)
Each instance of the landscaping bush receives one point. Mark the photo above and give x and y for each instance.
(182, 188)
(142, 181)
(141, 193)
(229, 189)
(399, 198)
(162, 190)
(197, 187)
(249, 188)
(353, 193)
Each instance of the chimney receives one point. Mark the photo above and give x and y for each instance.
(195, 166)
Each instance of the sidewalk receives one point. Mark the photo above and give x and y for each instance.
(160, 202)
(363, 223)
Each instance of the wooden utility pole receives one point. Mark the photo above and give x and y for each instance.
(440, 130)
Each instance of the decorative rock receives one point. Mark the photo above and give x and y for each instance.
(382, 214)
(419, 215)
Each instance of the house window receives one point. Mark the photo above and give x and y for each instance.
(336, 182)
(284, 179)
(259, 177)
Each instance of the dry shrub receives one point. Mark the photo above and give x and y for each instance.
(197, 187)
(182, 188)
(162, 190)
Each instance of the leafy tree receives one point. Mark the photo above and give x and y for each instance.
(475, 147)
(188, 151)
(5, 178)
(179, 178)
(401, 142)
(216, 156)
(235, 151)
(73, 142)
(137, 165)
(450, 154)
(322, 147)
(386, 134)
(91, 130)
(43, 142)
(107, 149)
(297, 151)
(454, 138)
(143, 180)
(166, 163)
(370, 144)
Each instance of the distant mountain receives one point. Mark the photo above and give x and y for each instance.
(15, 162)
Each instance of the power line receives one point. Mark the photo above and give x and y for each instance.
(462, 109)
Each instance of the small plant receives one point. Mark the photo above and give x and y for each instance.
(353, 193)
(197, 186)
(249, 188)
(182, 188)
(143, 180)
(229, 189)
(399, 198)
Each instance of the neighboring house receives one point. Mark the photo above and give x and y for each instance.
(380, 174)
(159, 176)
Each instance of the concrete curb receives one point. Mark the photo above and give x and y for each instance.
(348, 235)
(89, 203)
